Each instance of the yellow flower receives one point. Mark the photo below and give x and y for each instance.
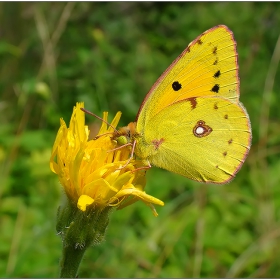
(91, 173)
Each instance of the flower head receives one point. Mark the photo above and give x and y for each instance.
(91, 170)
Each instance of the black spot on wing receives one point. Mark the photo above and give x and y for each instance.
(176, 86)
(214, 51)
(215, 88)
(217, 74)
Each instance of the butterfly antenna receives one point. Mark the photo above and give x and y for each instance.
(92, 114)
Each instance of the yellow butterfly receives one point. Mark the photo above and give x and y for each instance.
(191, 122)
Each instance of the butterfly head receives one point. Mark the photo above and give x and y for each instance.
(125, 134)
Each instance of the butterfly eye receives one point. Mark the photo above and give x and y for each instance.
(176, 86)
(122, 140)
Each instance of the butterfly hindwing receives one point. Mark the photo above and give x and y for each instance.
(205, 139)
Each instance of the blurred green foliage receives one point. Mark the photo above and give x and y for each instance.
(54, 54)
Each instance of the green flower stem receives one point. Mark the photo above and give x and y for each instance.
(70, 262)
(79, 230)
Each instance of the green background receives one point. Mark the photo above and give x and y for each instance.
(109, 55)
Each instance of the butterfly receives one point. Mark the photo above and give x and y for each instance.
(191, 121)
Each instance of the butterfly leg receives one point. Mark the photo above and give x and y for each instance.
(120, 147)
(143, 167)
(131, 155)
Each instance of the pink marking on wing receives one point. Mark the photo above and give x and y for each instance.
(157, 143)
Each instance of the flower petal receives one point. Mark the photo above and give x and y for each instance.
(84, 201)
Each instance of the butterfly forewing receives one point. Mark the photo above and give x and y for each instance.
(207, 67)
